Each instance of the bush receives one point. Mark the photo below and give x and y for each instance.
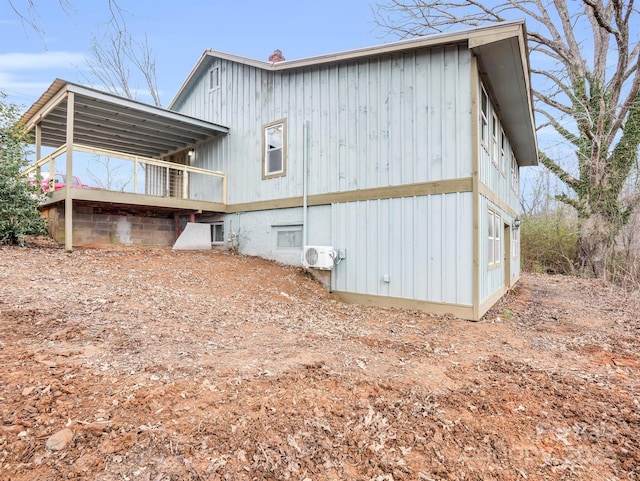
(19, 214)
(548, 242)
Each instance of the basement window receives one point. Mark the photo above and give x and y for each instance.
(217, 233)
(274, 139)
(288, 237)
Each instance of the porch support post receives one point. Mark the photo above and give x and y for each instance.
(68, 200)
(38, 152)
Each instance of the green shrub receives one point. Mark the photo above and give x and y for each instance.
(19, 215)
(548, 242)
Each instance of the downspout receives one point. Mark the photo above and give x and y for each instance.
(305, 187)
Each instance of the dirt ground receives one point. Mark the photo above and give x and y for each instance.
(155, 365)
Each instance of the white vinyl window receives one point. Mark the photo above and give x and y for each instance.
(494, 224)
(484, 119)
(217, 233)
(495, 132)
(515, 174)
(288, 237)
(274, 155)
(503, 152)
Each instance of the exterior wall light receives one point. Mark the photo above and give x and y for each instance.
(516, 223)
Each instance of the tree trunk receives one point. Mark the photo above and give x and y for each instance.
(596, 237)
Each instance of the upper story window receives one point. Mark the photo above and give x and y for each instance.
(214, 78)
(495, 132)
(274, 140)
(484, 119)
(515, 174)
(503, 152)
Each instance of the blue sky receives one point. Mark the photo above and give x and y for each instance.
(178, 33)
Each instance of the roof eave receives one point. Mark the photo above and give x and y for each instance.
(504, 66)
(493, 31)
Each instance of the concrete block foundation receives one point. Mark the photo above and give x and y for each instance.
(92, 226)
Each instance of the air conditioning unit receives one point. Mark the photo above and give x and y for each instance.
(318, 257)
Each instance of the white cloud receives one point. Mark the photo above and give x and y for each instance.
(25, 76)
(19, 61)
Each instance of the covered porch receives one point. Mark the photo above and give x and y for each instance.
(110, 155)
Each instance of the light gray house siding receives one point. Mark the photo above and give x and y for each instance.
(372, 123)
(414, 247)
(398, 179)
(499, 194)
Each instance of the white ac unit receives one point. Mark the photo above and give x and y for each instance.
(318, 257)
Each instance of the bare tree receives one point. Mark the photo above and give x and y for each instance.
(114, 57)
(28, 13)
(109, 175)
(586, 79)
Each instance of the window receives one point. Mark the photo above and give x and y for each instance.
(274, 155)
(214, 78)
(484, 120)
(494, 139)
(515, 174)
(217, 233)
(494, 224)
(288, 237)
(503, 152)
(514, 242)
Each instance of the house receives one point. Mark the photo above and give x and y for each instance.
(399, 164)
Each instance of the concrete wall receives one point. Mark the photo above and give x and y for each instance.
(258, 231)
(91, 227)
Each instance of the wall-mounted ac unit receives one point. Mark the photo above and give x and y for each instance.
(318, 257)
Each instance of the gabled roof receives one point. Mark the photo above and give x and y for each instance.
(116, 123)
(503, 58)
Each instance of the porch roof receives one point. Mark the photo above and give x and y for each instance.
(108, 121)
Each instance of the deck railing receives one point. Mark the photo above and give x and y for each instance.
(119, 172)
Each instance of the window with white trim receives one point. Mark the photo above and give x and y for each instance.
(515, 174)
(484, 119)
(217, 233)
(494, 224)
(274, 138)
(514, 242)
(495, 130)
(503, 152)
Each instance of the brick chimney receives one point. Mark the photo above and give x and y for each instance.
(276, 56)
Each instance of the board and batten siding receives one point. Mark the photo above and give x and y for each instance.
(498, 195)
(496, 179)
(414, 247)
(376, 122)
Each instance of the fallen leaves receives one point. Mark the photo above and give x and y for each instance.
(216, 366)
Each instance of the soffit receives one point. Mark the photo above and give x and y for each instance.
(108, 121)
(504, 68)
